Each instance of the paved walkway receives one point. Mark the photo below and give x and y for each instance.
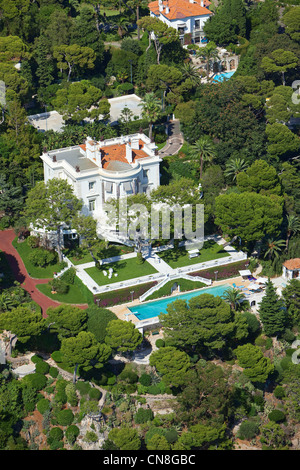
(175, 140)
(21, 275)
(159, 264)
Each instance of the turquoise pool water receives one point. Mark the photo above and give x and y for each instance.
(154, 308)
(220, 77)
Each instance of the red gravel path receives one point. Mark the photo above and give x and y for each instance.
(21, 275)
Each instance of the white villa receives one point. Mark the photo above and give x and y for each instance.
(186, 16)
(291, 269)
(100, 171)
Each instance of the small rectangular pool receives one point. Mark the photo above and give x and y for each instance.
(153, 308)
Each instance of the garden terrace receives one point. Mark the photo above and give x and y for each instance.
(125, 270)
(179, 257)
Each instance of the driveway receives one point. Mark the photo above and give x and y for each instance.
(21, 275)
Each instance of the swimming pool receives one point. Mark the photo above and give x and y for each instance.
(220, 77)
(154, 308)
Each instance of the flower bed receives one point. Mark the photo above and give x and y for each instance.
(122, 296)
(224, 272)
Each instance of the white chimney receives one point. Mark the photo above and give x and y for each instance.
(161, 5)
(129, 152)
(167, 9)
(202, 3)
(90, 148)
(135, 144)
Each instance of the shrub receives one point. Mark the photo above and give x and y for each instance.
(139, 258)
(69, 276)
(128, 376)
(143, 415)
(154, 431)
(277, 416)
(53, 371)
(61, 384)
(248, 430)
(95, 394)
(279, 392)
(59, 286)
(35, 359)
(171, 436)
(41, 257)
(32, 241)
(72, 433)
(60, 398)
(36, 381)
(91, 436)
(43, 405)
(98, 319)
(56, 434)
(57, 356)
(111, 380)
(288, 336)
(83, 388)
(65, 417)
(55, 445)
(42, 367)
(145, 379)
(159, 343)
(154, 390)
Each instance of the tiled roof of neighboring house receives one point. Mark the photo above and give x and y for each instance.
(179, 9)
(292, 263)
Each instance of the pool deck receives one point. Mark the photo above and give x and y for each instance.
(123, 311)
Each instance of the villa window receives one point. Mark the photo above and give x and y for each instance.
(92, 185)
(145, 173)
(181, 30)
(108, 187)
(92, 205)
(197, 24)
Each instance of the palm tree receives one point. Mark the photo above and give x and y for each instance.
(204, 149)
(293, 226)
(234, 167)
(151, 110)
(122, 24)
(234, 297)
(137, 4)
(274, 247)
(209, 53)
(189, 70)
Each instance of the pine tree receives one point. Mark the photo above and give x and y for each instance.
(271, 311)
(45, 68)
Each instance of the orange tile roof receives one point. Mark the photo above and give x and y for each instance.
(292, 263)
(117, 152)
(180, 9)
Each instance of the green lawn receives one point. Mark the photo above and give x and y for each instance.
(126, 269)
(85, 256)
(178, 257)
(34, 271)
(78, 293)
